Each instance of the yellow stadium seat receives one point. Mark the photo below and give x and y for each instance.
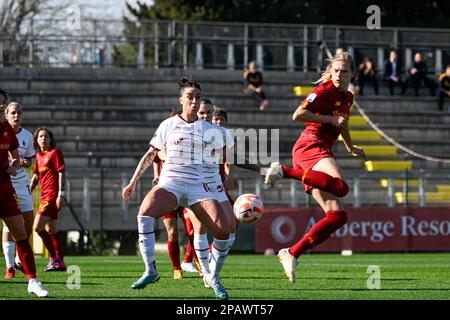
(357, 121)
(399, 183)
(301, 91)
(430, 197)
(380, 150)
(363, 135)
(443, 187)
(387, 165)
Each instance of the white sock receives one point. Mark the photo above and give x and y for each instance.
(147, 242)
(231, 241)
(201, 247)
(9, 248)
(18, 258)
(220, 253)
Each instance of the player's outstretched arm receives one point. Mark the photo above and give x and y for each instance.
(143, 165)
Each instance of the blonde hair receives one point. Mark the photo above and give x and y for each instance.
(10, 105)
(344, 56)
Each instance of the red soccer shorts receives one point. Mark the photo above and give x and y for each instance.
(48, 209)
(306, 154)
(10, 205)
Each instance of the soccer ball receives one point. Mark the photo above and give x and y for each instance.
(248, 208)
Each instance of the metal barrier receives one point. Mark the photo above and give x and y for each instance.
(156, 44)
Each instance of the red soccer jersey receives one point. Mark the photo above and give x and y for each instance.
(326, 99)
(8, 142)
(48, 164)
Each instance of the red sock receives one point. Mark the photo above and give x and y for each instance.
(190, 252)
(189, 255)
(57, 244)
(26, 257)
(174, 253)
(321, 231)
(47, 240)
(319, 180)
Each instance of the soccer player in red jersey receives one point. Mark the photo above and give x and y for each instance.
(325, 111)
(10, 210)
(49, 173)
(21, 184)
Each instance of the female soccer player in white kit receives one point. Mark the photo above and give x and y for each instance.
(190, 143)
(21, 183)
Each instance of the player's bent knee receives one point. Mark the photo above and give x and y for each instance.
(341, 188)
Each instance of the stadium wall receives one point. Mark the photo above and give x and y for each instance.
(369, 229)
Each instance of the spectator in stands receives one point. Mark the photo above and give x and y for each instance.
(392, 71)
(418, 73)
(367, 72)
(253, 81)
(444, 87)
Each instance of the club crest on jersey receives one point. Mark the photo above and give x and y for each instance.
(311, 97)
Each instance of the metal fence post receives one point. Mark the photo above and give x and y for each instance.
(290, 57)
(185, 46)
(156, 46)
(259, 56)
(293, 193)
(199, 56)
(422, 193)
(124, 204)
(141, 55)
(356, 192)
(380, 59)
(86, 203)
(405, 188)
(102, 184)
(438, 65)
(245, 46)
(305, 49)
(230, 57)
(391, 192)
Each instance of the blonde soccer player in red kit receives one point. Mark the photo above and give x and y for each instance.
(325, 111)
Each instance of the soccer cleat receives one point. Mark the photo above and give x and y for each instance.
(274, 173)
(289, 263)
(61, 266)
(10, 273)
(198, 267)
(188, 267)
(146, 279)
(36, 287)
(19, 266)
(178, 274)
(218, 288)
(52, 265)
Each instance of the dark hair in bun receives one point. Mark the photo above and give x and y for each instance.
(186, 82)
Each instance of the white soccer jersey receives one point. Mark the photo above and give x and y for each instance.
(211, 171)
(26, 150)
(190, 148)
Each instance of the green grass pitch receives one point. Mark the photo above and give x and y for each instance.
(320, 277)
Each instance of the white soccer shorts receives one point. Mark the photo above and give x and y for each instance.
(189, 193)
